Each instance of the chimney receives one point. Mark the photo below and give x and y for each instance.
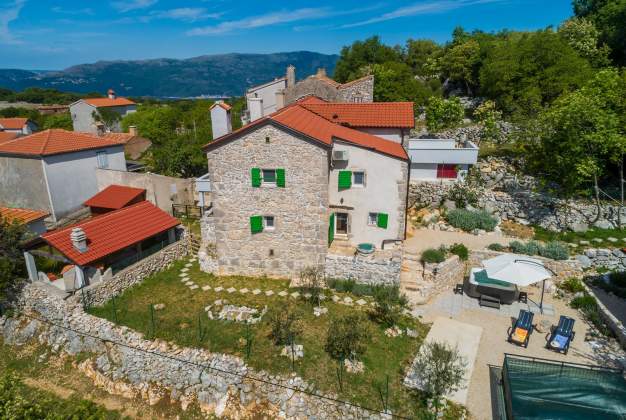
(321, 72)
(132, 130)
(291, 76)
(255, 107)
(221, 123)
(111, 94)
(280, 99)
(79, 239)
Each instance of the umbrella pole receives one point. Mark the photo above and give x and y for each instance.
(543, 289)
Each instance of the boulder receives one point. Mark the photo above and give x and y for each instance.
(584, 261)
(579, 227)
(603, 224)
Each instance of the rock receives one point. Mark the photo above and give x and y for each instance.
(579, 227)
(603, 224)
(319, 311)
(354, 366)
(297, 352)
(584, 242)
(449, 204)
(159, 306)
(611, 239)
(584, 260)
(393, 331)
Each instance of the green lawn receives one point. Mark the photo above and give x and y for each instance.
(184, 311)
(589, 236)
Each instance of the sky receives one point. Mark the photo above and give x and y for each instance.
(55, 34)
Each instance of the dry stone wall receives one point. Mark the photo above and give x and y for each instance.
(129, 365)
(367, 269)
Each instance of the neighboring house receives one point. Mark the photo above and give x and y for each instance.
(441, 159)
(55, 170)
(83, 113)
(97, 248)
(114, 197)
(267, 98)
(221, 122)
(32, 219)
(53, 109)
(19, 126)
(286, 186)
(134, 145)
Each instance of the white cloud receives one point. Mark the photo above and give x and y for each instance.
(128, 5)
(85, 11)
(259, 21)
(8, 15)
(420, 9)
(187, 14)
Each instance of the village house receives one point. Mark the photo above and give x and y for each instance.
(33, 220)
(287, 186)
(440, 160)
(134, 144)
(87, 114)
(18, 126)
(55, 170)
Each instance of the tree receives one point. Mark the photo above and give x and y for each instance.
(11, 260)
(63, 121)
(108, 117)
(155, 122)
(460, 62)
(177, 155)
(582, 35)
(362, 53)
(609, 17)
(389, 305)
(346, 337)
(312, 280)
(440, 370)
(488, 117)
(443, 113)
(285, 324)
(418, 52)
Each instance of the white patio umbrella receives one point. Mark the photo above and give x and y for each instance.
(517, 269)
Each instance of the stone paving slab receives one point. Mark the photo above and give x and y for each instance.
(184, 270)
(256, 292)
(206, 288)
(218, 289)
(361, 302)
(295, 295)
(194, 287)
(269, 293)
(188, 265)
(231, 290)
(282, 293)
(244, 291)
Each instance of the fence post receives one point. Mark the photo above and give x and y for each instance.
(152, 323)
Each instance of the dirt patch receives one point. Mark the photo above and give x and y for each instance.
(517, 230)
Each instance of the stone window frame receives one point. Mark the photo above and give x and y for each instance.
(267, 228)
(268, 184)
(354, 184)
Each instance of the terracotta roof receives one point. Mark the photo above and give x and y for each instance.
(53, 142)
(298, 118)
(112, 232)
(375, 114)
(13, 123)
(122, 138)
(22, 215)
(103, 102)
(221, 104)
(114, 197)
(327, 80)
(7, 135)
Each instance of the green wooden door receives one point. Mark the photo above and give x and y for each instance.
(331, 229)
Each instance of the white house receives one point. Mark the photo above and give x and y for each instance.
(221, 122)
(55, 170)
(440, 159)
(19, 126)
(261, 100)
(84, 110)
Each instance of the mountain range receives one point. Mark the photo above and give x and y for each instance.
(212, 75)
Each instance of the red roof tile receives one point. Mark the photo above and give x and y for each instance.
(115, 197)
(112, 232)
(122, 138)
(53, 142)
(7, 135)
(104, 102)
(22, 215)
(13, 123)
(221, 104)
(375, 114)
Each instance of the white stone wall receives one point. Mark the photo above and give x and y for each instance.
(300, 209)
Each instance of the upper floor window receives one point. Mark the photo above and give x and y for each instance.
(103, 159)
(268, 177)
(268, 223)
(358, 178)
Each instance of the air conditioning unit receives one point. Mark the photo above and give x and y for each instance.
(340, 155)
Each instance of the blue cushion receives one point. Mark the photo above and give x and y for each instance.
(559, 341)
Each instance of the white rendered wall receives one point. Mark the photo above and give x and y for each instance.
(268, 94)
(393, 134)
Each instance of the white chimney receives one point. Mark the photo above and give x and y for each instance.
(321, 72)
(291, 76)
(221, 122)
(111, 94)
(132, 130)
(79, 239)
(280, 99)
(255, 107)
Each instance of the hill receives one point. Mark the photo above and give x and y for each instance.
(224, 74)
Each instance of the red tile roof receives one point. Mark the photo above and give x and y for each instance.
(374, 114)
(22, 215)
(7, 135)
(13, 123)
(53, 142)
(122, 138)
(104, 102)
(298, 118)
(115, 197)
(221, 104)
(112, 232)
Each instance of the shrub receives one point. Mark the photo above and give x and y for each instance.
(460, 250)
(588, 306)
(495, 247)
(389, 305)
(585, 302)
(517, 247)
(346, 337)
(443, 113)
(462, 195)
(433, 256)
(572, 285)
(285, 324)
(618, 279)
(554, 250)
(341, 285)
(532, 248)
(468, 220)
(312, 280)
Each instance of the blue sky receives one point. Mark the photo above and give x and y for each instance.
(54, 34)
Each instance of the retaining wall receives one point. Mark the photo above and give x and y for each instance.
(367, 269)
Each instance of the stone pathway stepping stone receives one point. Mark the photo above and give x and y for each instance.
(348, 300)
(184, 270)
(231, 290)
(269, 293)
(336, 298)
(256, 292)
(282, 293)
(188, 265)
(308, 295)
(183, 275)
(612, 239)
(597, 240)
(189, 283)
(194, 287)
(322, 297)
(244, 291)
(361, 302)
(206, 288)
(583, 242)
(295, 295)
(218, 289)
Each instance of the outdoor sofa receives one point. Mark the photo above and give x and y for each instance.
(480, 284)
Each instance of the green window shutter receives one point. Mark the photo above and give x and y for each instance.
(256, 224)
(280, 178)
(255, 173)
(382, 220)
(345, 179)
(331, 229)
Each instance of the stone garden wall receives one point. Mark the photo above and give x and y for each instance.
(613, 259)
(129, 365)
(101, 292)
(367, 269)
(439, 277)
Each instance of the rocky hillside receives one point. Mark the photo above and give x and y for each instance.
(225, 74)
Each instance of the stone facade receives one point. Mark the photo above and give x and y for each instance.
(300, 209)
(382, 267)
(444, 275)
(129, 365)
(360, 90)
(101, 292)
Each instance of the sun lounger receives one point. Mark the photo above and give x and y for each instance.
(520, 332)
(562, 335)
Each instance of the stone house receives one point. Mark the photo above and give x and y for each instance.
(287, 186)
(84, 113)
(55, 170)
(19, 126)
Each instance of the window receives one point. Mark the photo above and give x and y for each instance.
(103, 159)
(341, 223)
(261, 224)
(358, 179)
(372, 219)
(446, 171)
(268, 223)
(269, 176)
(378, 219)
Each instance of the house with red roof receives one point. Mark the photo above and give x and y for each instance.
(101, 115)
(32, 219)
(19, 126)
(289, 185)
(55, 170)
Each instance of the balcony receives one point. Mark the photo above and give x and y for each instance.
(445, 151)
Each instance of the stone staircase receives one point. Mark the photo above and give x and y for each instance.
(411, 277)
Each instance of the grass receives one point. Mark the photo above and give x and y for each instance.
(178, 323)
(545, 235)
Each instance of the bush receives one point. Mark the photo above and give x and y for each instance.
(618, 279)
(341, 285)
(312, 280)
(389, 305)
(346, 337)
(588, 306)
(460, 250)
(572, 285)
(585, 302)
(433, 256)
(495, 247)
(443, 113)
(285, 324)
(555, 251)
(517, 247)
(462, 195)
(468, 220)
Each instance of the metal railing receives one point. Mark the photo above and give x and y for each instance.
(187, 210)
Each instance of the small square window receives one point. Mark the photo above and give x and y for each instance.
(358, 179)
(103, 159)
(267, 139)
(372, 219)
(269, 176)
(268, 223)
